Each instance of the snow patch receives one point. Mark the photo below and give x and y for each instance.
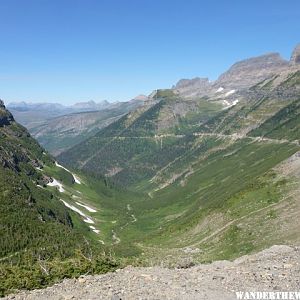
(229, 93)
(134, 218)
(86, 207)
(95, 230)
(86, 218)
(73, 208)
(219, 90)
(76, 179)
(226, 102)
(235, 102)
(56, 184)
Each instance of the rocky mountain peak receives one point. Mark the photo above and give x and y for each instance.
(252, 70)
(295, 58)
(141, 97)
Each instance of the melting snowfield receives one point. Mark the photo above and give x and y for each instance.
(229, 93)
(86, 207)
(95, 230)
(86, 218)
(219, 90)
(76, 178)
(57, 184)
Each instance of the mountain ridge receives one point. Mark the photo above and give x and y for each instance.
(241, 75)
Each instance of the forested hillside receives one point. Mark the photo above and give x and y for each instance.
(40, 242)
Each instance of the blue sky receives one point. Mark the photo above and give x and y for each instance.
(75, 50)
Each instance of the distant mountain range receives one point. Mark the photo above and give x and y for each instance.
(56, 107)
(59, 127)
(30, 114)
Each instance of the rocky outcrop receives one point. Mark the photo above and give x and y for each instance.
(197, 81)
(295, 58)
(5, 116)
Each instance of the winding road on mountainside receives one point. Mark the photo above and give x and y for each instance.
(220, 135)
(234, 136)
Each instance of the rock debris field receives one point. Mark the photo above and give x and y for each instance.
(275, 269)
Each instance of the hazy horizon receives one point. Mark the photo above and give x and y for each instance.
(55, 102)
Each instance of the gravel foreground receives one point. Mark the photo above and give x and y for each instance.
(275, 269)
